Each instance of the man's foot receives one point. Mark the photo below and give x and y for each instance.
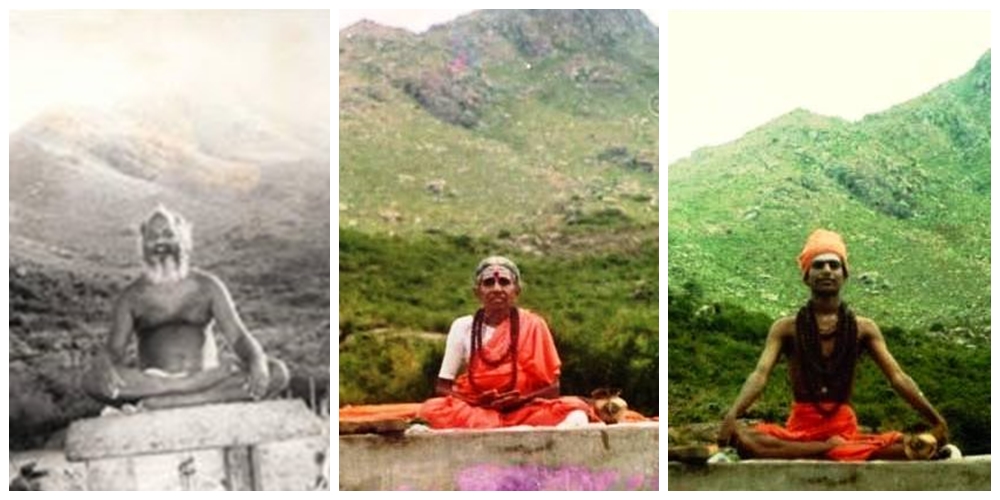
(125, 409)
(575, 418)
(948, 452)
(725, 455)
(417, 429)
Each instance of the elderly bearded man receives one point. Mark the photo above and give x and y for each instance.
(822, 344)
(171, 310)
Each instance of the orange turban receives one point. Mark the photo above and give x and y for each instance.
(822, 241)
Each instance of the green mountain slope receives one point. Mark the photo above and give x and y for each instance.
(524, 133)
(907, 188)
(500, 120)
(602, 310)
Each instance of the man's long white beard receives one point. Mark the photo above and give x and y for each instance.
(169, 270)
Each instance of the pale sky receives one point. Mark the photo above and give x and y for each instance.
(730, 72)
(280, 59)
(418, 20)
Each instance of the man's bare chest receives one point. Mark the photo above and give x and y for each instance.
(826, 326)
(172, 306)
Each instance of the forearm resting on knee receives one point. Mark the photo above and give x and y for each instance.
(904, 385)
(249, 350)
(752, 388)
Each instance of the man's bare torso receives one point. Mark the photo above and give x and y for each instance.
(172, 322)
(826, 324)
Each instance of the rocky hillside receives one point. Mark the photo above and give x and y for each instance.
(529, 133)
(546, 111)
(909, 189)
(256, 188)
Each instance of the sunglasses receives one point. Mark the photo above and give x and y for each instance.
(489, 282)
(820, 264)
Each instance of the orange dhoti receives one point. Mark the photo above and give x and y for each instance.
(807, 423)
(451, 412)
(538, 366)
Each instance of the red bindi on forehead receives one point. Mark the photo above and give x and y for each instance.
(496, 273)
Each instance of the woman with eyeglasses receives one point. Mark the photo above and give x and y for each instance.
(500, 365)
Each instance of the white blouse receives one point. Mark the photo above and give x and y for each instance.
(459, 346)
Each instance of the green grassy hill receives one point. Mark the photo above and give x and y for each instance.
(713, 347)
(908, 189)
(525, 133)
(602, 309)
(506, 120)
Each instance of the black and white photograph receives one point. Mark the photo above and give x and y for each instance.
(169, 238)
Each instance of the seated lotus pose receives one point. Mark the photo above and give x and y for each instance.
(512, 368)
(822, 344)
(171, 311)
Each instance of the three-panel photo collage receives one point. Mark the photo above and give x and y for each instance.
(817, 316)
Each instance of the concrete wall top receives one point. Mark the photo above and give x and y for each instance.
(969, 473)
(614, 457)
(179, 429)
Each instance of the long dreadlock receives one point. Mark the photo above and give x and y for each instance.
(827, 378)
(479, 356)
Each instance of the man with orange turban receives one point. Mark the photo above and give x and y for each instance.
(822, 344)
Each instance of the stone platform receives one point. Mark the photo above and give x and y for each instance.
(617, 457)
(270, 445)
(969, 473)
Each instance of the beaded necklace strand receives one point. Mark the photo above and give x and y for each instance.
(821, 373)
(479, 356)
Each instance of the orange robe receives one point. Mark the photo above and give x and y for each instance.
(806, 423)
(379, 412)
(537, 367)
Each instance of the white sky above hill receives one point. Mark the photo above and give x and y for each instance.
(419, 20)
(98, 58)
(730, 72)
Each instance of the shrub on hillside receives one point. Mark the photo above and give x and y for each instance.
(711, 356)
(601, 309)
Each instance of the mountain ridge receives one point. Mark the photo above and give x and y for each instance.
(80, 182)
(912, 179)
(431, 122)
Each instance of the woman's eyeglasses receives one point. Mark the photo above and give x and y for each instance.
(489, 282)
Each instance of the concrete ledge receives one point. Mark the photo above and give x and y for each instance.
(619, 457)
(187, 429)
(62, 475)
(970, 473)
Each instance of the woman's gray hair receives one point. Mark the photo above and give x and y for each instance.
(497, 260)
